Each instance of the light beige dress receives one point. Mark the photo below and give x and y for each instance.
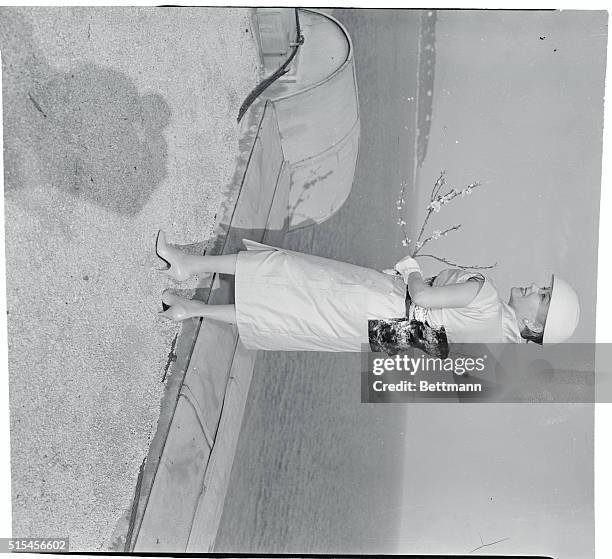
(291, 301)
(487, 319)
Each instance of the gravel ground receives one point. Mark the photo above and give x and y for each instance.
(117, 121)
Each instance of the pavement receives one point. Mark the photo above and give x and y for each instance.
(181, 493)
(117, 122)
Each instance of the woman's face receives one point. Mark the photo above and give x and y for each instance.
(531, 302)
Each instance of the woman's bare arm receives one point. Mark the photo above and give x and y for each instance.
(444, 296)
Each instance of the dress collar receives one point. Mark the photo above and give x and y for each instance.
(510, 329)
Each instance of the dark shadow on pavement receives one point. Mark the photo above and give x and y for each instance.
(86, 131)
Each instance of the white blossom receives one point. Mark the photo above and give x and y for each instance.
(436, 234)
(435, 206)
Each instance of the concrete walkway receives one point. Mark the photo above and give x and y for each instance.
(180, 496)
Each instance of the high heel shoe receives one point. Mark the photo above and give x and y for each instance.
(174, 307)
(171, 256)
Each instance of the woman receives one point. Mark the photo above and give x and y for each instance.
(290, 301)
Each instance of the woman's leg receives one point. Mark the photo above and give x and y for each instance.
(182, 266)
(181, 309)
(222, 264)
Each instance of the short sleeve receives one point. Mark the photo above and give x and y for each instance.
(451, 276)
(477, 321)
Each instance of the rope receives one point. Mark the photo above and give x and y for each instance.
(267, 82)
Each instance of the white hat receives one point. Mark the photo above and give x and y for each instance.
(563, 312)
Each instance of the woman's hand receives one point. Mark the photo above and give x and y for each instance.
(426, 296)
(390, 272)
(407, 266)
(404, 268)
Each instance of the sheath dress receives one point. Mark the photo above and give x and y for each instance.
(291, 301)
(486, 319)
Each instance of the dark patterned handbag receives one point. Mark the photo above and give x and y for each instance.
(399, 335)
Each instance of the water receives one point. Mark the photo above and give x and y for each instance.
(316, 470)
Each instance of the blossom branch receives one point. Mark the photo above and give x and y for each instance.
(435, 235)
(429, 212)
(436, 201)
(440, 182)
(458, 265)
